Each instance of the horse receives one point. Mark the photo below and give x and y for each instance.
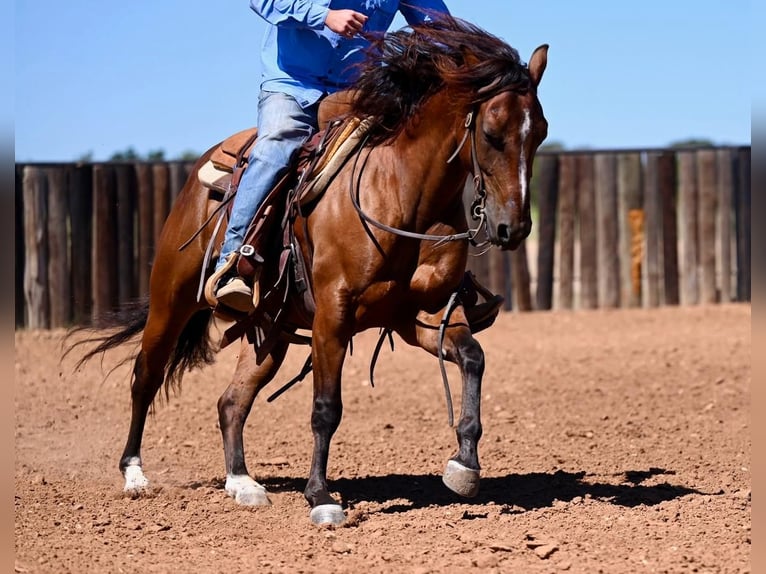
(386, 246)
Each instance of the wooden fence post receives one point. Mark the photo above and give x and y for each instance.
(586, 211)
(126, 211)
(104, 240)
(161, 184)
(743, 226)
(520, 279)
(567, 211)
(547, 180)
(667, 182)
(59, 278)
(81, 230)
(497, 268)
(608, 230)
(36, 246)
(724, 221)
(631, 210)
(653, 231)
(177, 179)
(687, 192)
(145, 226)
(707, 179)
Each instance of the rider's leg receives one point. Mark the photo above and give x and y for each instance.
(283, 127)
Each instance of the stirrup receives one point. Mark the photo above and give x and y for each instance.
(213, 292)
(212, 282)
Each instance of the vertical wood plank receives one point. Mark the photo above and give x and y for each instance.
(161, 184)
(652, 231)
(743, 226)
(608, 230)
(724, 220)
(81, 230)
(631, 209)
(177, 179)
(586, 211)
(547, 181)
(126, 256)
(567, 211)
(145, 226)
(59, 280)
(104, 240)
(520, 279)
(667, 182)
(707, 180)
(687, 198)
(36, 244)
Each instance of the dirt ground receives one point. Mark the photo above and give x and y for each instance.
(615, 442)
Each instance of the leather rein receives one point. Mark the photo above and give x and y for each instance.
(477, 206)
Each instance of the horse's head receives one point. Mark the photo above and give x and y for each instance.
(508, 128)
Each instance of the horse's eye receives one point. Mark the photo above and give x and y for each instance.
(496, 141)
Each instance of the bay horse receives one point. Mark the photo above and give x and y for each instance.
(446, 100)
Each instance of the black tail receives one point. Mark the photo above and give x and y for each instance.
(193, 348)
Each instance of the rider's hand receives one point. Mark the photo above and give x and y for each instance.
(345, 22)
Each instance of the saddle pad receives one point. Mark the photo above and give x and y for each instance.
(335, 157)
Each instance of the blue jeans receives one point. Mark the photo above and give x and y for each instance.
(283, 127)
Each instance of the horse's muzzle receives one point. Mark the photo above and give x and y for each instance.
(509, 236)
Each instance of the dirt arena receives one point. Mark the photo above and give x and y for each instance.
(615, 442)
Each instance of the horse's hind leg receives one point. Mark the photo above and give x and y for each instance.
(164, 326)
(233, 408)
(462, 472)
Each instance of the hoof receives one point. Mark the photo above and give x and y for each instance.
(327, 514)
(246, 492)
(136, 482)
(461, 479)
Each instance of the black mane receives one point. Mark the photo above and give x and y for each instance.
(404, 68)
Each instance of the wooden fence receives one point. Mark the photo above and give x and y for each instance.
(616, 228)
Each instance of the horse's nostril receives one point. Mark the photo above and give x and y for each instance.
(504, 232)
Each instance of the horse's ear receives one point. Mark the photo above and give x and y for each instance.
(537, 64)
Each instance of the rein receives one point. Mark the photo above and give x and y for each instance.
(477, 206)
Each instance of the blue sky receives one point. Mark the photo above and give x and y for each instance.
(99, 76)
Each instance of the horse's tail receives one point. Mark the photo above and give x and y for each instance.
(193, 348)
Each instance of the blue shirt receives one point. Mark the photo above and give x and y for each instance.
(303, 58)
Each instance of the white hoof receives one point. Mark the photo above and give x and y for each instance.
(327, 514)
(461, 479)
(136, 482)
(245, 491)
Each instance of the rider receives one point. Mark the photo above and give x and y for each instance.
(309, 51)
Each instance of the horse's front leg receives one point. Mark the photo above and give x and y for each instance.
(330, 336)
(462, 472)
(233, 408)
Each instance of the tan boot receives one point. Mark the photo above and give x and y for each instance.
(236, 294)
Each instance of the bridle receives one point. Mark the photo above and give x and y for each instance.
(477, 209)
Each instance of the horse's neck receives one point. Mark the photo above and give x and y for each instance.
(430, 138)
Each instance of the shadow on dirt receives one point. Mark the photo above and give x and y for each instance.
(516, 492)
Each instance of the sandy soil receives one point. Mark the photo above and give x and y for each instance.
(615, 442)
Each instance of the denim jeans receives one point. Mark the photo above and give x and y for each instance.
(283, 127)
